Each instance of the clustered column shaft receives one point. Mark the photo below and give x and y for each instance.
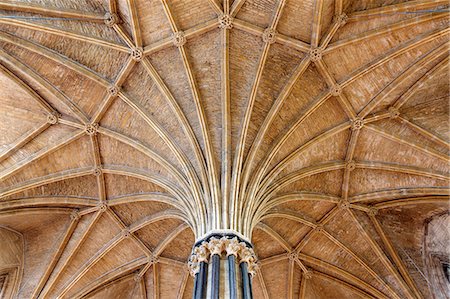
(213, 264)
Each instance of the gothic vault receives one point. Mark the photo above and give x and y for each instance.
(315, 130)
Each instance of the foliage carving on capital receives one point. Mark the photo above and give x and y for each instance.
(215, 246)
(252, 268)
(202, 252)
(227, 246)
(232, 247)
(193, 265)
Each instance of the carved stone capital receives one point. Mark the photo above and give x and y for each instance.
(53, 117)
(202, 252)
(137, 54)
(215, 246)
(178, 38)
(252, 268)
(193, 265)
(315, 54)
(357, 124)
(393, 112)
(91, 129)
(111, 19)
(269, 35)
(226, 245)
(232, 247)
(247, 255)
(225, 22)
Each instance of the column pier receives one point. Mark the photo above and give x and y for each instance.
(223, 265)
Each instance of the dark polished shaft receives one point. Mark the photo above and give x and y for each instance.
(201, 282)
(246, 286)
(215, 276)
(232, 276)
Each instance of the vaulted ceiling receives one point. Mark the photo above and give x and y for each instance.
(129, 128)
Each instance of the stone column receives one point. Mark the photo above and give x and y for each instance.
(223, 265)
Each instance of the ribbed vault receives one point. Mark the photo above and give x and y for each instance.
(130, 128)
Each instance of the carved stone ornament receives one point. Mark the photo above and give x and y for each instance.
(319, 228)
(215, 246)
(102, 207)
(74, 215)
(373, 211)
(138, 277)
(393, 112)
(178, 38)
(232, 246)
(336, 90)
(126, 233)
(343, 204)
(293, 255)
(223, 246)
(91, 129)
(52, 118)
(357, 124)
(111, 19)
(137, 54)
(341, 19)
(315, 54)
(202, 252)
(269, 35)
(225, 22)
(113, 90)
(308, 274)
(153, 259)
(350, 165)
(97, 171)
